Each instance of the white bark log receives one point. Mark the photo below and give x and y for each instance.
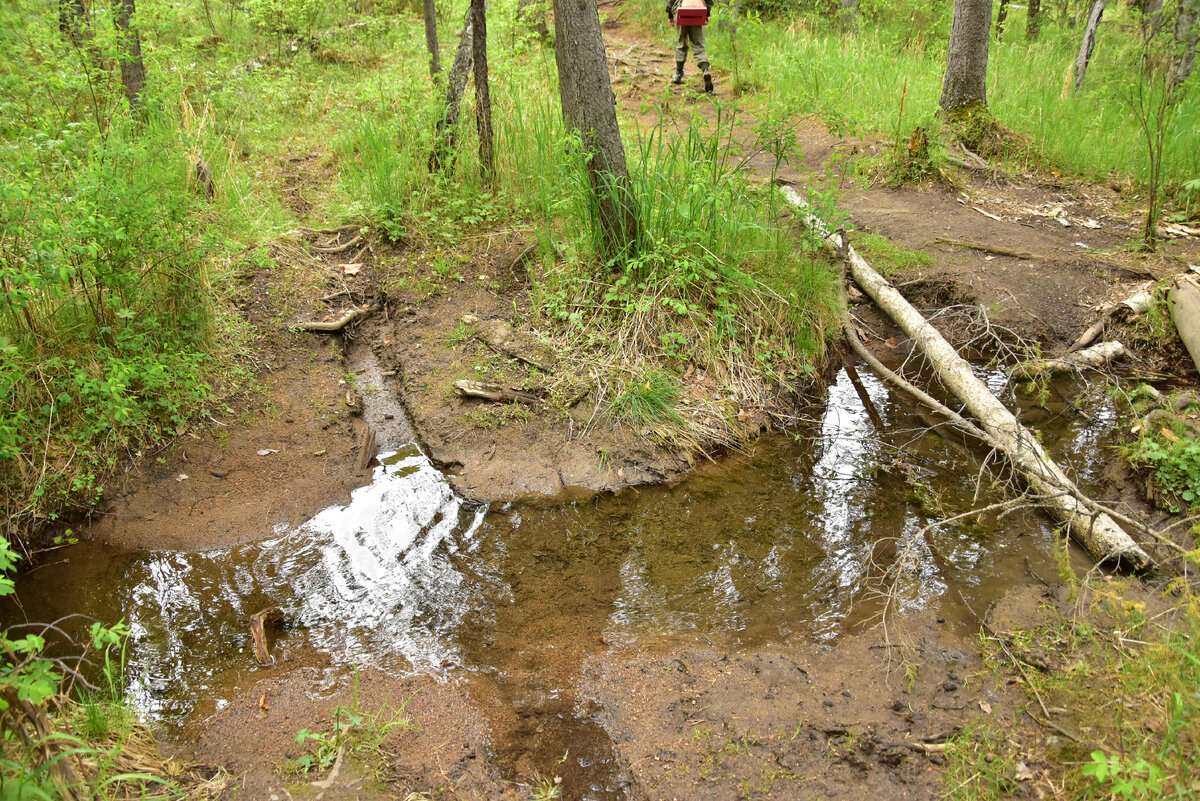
(1094, 358)
(1185, 307)
(1098, 533)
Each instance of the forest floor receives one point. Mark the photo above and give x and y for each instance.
(797, 720)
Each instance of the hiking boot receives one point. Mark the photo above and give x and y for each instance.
(678, 79)
(708, 84)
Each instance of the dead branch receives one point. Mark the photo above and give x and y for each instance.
(366, 448)
(337, 248)
(1094, 358)
(986, 248)
(333, 326)
(1096, 531)
(497, 393)
(272, 615)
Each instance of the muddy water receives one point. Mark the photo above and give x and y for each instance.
(770, 546)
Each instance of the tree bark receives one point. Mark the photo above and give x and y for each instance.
(1151, 16)
(133, 72)
(431, 38)
(590, 108)
(966, 64)
(532, 16)
(1187, 32)
(1089, 43)
(848, 15)
(1092, 528)
(1033, 20)
(1185, 308)
(73, 21)
(483, 96)
(1001, 17)
(446, 136)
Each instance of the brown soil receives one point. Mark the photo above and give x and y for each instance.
(687, 721)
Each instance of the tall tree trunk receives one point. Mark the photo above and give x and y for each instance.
(531, 15)
(966, 65)
(73, 21)
(848, 16)
(590, 108)
(1001, 17)
(1088, 44)
(431, 38)
(1151, 16)
(446, 135)
(483, 97)
(133, 72)
(1187, 32)
(1033, 20)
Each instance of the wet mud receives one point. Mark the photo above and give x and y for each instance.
(711, 639)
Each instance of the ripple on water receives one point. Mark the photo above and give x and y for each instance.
(369, 583)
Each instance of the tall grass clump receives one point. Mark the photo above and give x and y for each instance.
(106, 301)
(716, 282)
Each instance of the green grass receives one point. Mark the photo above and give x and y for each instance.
(856, 83)
(1127, 682)
(887, 257)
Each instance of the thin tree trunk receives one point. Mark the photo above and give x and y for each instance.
(1033, 20)
(1001, 17)
(966, 64)
(431, 38)
(73, 21)
(133, 71)
(1187, 32)
(532, 16)
(1092, 528)
(1151, 16)
(1088, 44)
(848, 15)
(590, 108)
(446, 136)
(483, 97)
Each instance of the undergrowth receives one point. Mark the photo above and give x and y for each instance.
(1120, 685)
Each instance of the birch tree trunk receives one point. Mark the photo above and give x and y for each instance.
(446, 136)
(590, 108)
(848, 15)
(431, 38)
(133, 71)
(483, 96)
(1089, 43)
(1098, 533)
(1187, 32)
(965, 83)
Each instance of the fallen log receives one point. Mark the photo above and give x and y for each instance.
(1185, 310)
(496, 392)
(1092, 528)
(272, 615)
(1093, 358)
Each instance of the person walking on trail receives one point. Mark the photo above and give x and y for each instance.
(693, 34)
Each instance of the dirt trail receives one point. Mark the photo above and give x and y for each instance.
(1076, 230)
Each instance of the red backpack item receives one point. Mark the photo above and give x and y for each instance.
(691, 12)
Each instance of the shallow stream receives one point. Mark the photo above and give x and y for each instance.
(770, 546)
